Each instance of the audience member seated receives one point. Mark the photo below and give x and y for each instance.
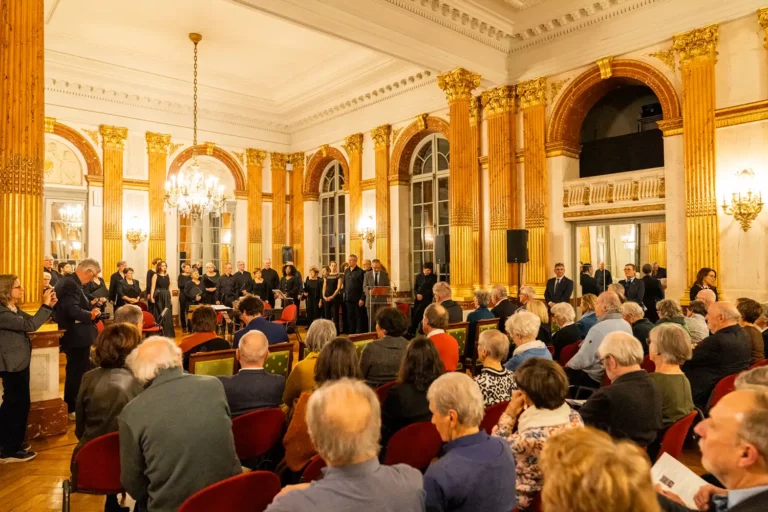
(754, 378)
(176, 436)
(586, 471)
(641, 326)
(539, 411)
(503, 307)
(434, 323)
(538, 308)
(670, 348)
(588, 316)
(496, 382)
(707, 296)
(302, 377)
(251, 310)
(568, 331)
(337, 360)
(527, 294)
(105, 390)
(477, 471)
(619, 290)
(630, 407)
(522, 329)
(344, 421)
(585, 368)
(203, 337)
(762, 324)
(481, 312)
(381, 358)
(443, 296)
(695, 321)
(734, 448)
(130, 314)
(705, 280)
(750, 310)
(726, 351)
(406, 402)
(670, 312)
(253, 388)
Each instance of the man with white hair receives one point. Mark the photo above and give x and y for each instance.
(344, 422)
(727, 351)
(130, 314)
(48, 267)
(503, 308)
(641, 326)
(630, 408)
(754, 378)
(444, 296)
(253, 387)
(707, 296)
(527, 294)
(585, 368)
(176, 436)
(477, 471)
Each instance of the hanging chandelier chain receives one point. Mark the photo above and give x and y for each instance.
(194, 108)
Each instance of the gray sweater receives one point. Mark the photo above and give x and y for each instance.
(586, 358)
(175, 439)
(381, 360)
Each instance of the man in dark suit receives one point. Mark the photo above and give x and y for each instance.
(76, 318)
(736, 422)
(587, 282)
(48, 267)
(727, 351)
(630, 408)
(242, 279)
(603, 278)
(226, 287)
(251, 310)
(422, 295)
(653, 293)
(271, 281)
(559, 288)
(658, 272)
(634, 288)
(444, 296)
(253, 387)
(354, 296)
(377, 277)
(115, 279)
(503, 308)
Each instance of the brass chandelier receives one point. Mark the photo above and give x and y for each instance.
(744, 208)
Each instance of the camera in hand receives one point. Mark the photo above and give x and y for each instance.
(101, 317)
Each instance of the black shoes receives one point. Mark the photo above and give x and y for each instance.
(20, 456)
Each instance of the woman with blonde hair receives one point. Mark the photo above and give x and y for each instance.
(586, 471)
(538, 308)
(588, 316)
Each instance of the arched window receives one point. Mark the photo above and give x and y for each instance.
(333, 207)
(429, 201)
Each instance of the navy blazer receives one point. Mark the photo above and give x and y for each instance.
(275, 333)
(73, 313)
(563, 292)
(252, 389)
(634, 291)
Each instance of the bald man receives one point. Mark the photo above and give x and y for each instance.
(707, 296)
(253, 388)
(726, 351)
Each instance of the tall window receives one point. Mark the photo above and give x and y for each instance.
(333, 234)
(429, 201)
(65, 237)
(208, 239)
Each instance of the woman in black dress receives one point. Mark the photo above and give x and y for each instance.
(290, 284)
(96, 292)
(193, 290)
(331, 294)
(161, 299)
(313, 291)
(210, 280)
(258, 287)
(124, 296)
(705, 279)
(184, 278)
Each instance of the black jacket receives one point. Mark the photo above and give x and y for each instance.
(634, 291)
(503, 310)
(561, 294)
(628, 408)
(696, 288)
(73, 313)
(271, 279)
(756, 503)
(642, 330)
(564, 337)
(250, 390)
(604, 279)
(243, 280)
(588, 285)
(114, 284)
(353, 284)
(148, 282)
(381, 360)
(660, 274)
(423, 287)
(653, 294)
(55, 276)
(226, 289)
(15, 347)
(726, 352)
(403, 406)
(455, 313)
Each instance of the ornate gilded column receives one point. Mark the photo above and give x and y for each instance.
(762, 18)
(278, 207)
(297, 210)
(21, 145)
(661, 258)
(353, 145)
(381, 141)
(255, 160)
(458, 86)
(113, 142)
(157, 149)
(499, 106)
(698, 51)
(533, 102)
(477, 209)
(585, 247)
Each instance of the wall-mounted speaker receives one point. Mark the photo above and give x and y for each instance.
(443, 249)
(517, 246)
(287, 254)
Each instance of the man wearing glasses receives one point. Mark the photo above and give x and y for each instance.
(77, 319)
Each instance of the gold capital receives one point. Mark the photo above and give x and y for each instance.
(157, 142)
(698, 44)
(605, 64)
(533, 92)
(255, 156)
(297, 159)
(474, 110)
(353, 143)
(49, 123)
(113, 136)
(499, 100)
(762, 18)
(278, 160)
(458, 84)
(381, 135)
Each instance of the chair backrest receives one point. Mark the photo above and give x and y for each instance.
(484, 325)
(252, 491)
(459, 331)
(257, 431)
(216, 363)
(96, 466)
(99, 326)
(280, 360)
(142, 306)
(149, 319)
(568, 352)
(383, 390)
(404, 308)
(360, 346)
(492, 415)
(303, 350)
(415, 445)
(648, 365)
(674, 438)
(722, 388)
(313, 470)
(762, 362)
(366, 336)
(289, 313)
(551, 350)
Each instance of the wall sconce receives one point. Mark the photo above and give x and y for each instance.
(744, 208)
(135, 234)
(368, 231)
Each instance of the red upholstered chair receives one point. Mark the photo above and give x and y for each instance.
(383, 390)
(535, 505)
(142, 306)
(404, 308)
(551, 350)
(648, 365)
(606, 381)
(288, 319)
(95, 469)
(762, 362)
(492, 415)
(415, 445)
(722, 388)
(99, 326)
(313, 470)
(674, 437)
(568, 352)
(150, 327)
(249, 492)
(256, 432)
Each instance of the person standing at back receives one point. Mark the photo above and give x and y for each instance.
(559, 288)
(354, 296)
(422, 296)
(653, 293)
(634, 288)
(243, 279)
(271, 280)
(603, 278)
(588, 283)
(114, 282)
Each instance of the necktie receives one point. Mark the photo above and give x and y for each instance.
(557, 282)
